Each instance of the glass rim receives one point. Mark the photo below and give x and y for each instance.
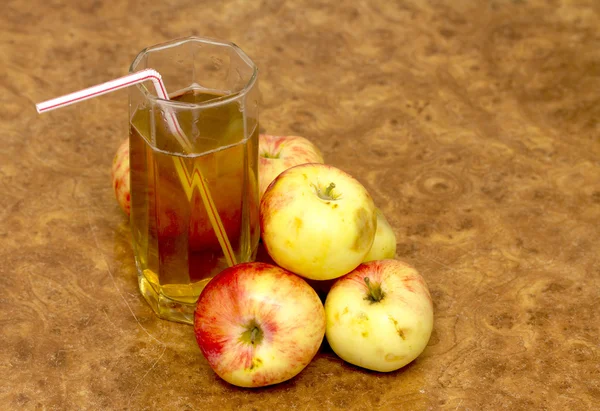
(211, 103)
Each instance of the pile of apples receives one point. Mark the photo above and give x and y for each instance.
(260, 324)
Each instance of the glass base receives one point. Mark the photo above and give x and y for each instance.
(169, 302)
(173, 302)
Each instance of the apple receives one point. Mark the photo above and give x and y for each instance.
(317, 221)
(379, 316)
(257, 324)
(384, 246)
(278, 153)
(120, 176)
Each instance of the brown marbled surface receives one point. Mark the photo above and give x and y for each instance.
(474, 125)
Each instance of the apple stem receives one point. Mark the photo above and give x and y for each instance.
(329, 188)
(376, 294)
(266, 154)
(253, 335)
(326, 194)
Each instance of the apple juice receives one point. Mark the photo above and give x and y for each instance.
(177, 251)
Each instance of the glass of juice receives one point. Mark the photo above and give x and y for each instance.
(214, 97)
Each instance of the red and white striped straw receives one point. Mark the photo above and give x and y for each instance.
(117, 84)
(112, 85)
(161, 91)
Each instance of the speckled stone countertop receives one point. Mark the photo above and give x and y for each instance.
(474, 125)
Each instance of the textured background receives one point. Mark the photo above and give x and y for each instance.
(474, 125)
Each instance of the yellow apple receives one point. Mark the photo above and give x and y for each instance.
(384, 246)
(317, 221)
(278, 153)
(379, 316)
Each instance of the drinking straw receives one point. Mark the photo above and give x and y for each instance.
(186, 181)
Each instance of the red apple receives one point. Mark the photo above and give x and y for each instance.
(278, 153)
(120, 176)
(379, 316)
(257, 324)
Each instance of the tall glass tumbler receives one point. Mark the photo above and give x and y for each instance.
(214, 98)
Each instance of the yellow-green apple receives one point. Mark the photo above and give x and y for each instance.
(257, 324)
(278, 153)
(120, 176)
(384, 246)
(379, 316)
(317, 221)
